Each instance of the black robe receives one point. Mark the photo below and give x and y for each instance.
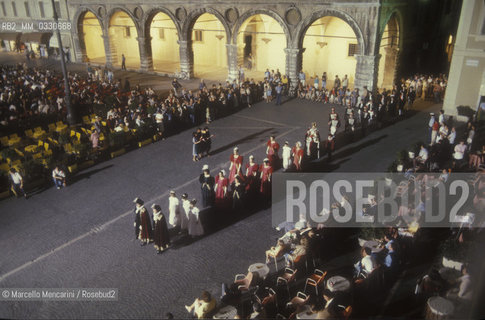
(161, 236)
(207, 188)
(238, 196)
(145, 227)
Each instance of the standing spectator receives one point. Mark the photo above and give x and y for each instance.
(160, 125)
(279, 91)
(441, 118)
(345, 83)
(195, 146)
(324, 80)
(59, 177)
(336, 83)
(16, 183)
(459, 154)
(434, 132)
(286, 155)
(110, 76)
(431, 121)
(174, 210)
(302, 77)
(250, 61)
(123, 62)
(452, 136)
(206, 138)
(176, 86)
(161, 237)
(241, 75)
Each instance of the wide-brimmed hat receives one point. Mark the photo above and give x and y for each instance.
(156, 207)
(138, 201)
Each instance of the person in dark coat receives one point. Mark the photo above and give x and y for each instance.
(207, 183)
(143, 225)
(329, 146)
(238, 194)
(138, 206)
(161, 236)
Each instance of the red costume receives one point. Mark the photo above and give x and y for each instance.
(297, 156)
(236, 168)
(252, 176)
(220, 198)
(266, 172)
(273, 148)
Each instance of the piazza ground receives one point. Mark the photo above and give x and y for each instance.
(82, 236)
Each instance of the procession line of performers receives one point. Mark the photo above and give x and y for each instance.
(157, 231)
(249, 184)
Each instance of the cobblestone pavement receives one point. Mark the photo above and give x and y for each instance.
(82, 236)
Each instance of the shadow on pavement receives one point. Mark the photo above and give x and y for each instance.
(88, 174)
(239, 141)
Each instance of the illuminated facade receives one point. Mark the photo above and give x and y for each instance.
(466, 84)
(364, 39)
(207, 39)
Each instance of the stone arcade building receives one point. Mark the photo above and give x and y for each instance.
(361, 38)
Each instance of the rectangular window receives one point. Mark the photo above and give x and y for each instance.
(57, 5)
(127, 32)
(161, 33)
(14, 9)
(27, 9)
(353, 49)
(41, 9)
(4, 11)
(197, 36)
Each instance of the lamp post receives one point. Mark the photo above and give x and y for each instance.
(71, 113)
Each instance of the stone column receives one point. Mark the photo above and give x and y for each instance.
(294, 59)
(233, 72)
(366, 72)
(146, 61)
(390, 64)
(79, 51)
(107, 50)
(186, 57)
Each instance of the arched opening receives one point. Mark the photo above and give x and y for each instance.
(91, 35)
(123, 40)
(330, 44)
(165, 48)
(209, 47)
(261, 37)
(388, 50)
